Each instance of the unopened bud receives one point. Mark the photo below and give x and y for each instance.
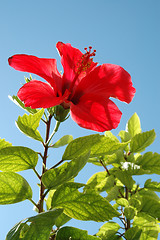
(60, 113)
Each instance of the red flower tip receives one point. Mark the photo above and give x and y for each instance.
(9, 60)
(59, 46)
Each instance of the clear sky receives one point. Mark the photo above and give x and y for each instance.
(123, 32)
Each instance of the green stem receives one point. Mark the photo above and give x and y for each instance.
(54, 131)
(43, 120)
(37, 173)
(40, 154)
(31, 200)
(57, 164)
(45, 117)
(108, 175)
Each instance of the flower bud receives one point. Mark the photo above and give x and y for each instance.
(60, 113)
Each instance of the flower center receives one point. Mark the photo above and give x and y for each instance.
(83, 65)
(85, 62)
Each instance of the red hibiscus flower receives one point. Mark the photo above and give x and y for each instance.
(84, 87)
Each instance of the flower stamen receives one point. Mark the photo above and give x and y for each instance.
(83, 64)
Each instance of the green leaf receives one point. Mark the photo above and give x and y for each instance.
(100, 181)
(142, 140)
(115, 158)
(150, 206)
(19, 103)
(80, 146)
(63, 141)
(113, 194)
(133, 233)
(108, 231)
(150, 162)
(150, 232)
(23, 231)
(28, 124)
(41, 225)
(4, 144)
(106, 146)
(136, 201)
(49, 199)
(57, 176)
(110, 135)
(35, 228)
(122, 202)
(14, 233)
(16, 159)
(83, 206)
(125, 136)
(61, 220)
(146, 192)
(98, 144)
(134, 125)
(13, 188)
(148, 225)
(142, 219)
(95, 161)
(72, 233)
(129, 212)
(154, 186)
(125, 178)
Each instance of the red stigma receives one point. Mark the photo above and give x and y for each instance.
(89, 53)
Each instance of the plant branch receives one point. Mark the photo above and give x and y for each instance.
(128, 223)
(37, 173)
(34, 203)
(121, 235)
(126, 191)
(57, 164)
(120, 193)
(40, 154)
(43, 121)
(122, 220)
(47, 191)
(105, 167)
(45, 117)
(44, 157)
(109, 175)
(123, 217)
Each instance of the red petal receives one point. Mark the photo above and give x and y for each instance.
(108, 80)
(43, 67)
(37, 94)
(96, 113)
(71, 59)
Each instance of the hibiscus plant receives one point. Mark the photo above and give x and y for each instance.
(113, 196)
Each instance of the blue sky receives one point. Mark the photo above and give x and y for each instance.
(123, 32)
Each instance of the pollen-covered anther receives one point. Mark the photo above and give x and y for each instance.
(83, 64)
(86, 60)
